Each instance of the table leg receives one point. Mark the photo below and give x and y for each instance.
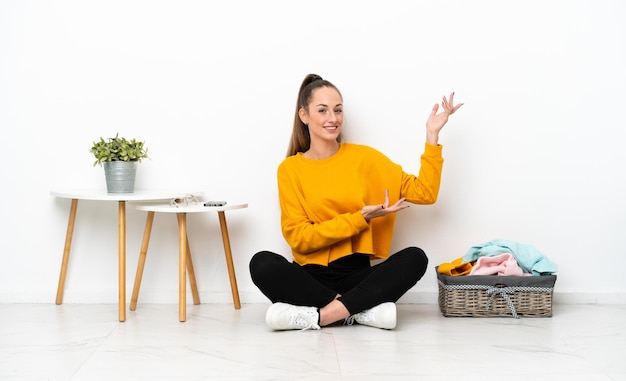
(66, 250)
(182, 266)
(142, 260)
(229, 259)
(122, 259)
(192, 275)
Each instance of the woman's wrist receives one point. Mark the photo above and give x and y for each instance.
(364, 214)
(432, 138)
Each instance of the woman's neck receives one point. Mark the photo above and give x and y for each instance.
(321, 152)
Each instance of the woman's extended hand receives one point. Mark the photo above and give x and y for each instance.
(380, 210)
(435, 121)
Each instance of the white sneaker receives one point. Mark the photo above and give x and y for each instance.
(283, 316)
(380, 316)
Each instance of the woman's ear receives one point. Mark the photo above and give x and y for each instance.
(303, 116)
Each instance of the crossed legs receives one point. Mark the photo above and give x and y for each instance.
(339, 290)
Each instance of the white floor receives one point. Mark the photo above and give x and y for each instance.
(217, 342)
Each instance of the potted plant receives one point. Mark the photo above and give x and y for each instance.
(119, 157)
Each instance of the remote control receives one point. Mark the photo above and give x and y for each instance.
(215, 203)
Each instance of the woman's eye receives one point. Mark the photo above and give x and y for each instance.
(325, 111)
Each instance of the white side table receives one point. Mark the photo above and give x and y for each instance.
(184, 255)
(121, 198)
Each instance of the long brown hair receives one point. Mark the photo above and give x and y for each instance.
(300, 138)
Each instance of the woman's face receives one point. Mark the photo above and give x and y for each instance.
(325, 114)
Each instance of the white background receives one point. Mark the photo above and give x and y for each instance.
(535, 155)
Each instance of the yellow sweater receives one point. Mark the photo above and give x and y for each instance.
(321, 200)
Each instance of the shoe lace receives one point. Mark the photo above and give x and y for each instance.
(367, 315)
(304, 320)
(349, 320)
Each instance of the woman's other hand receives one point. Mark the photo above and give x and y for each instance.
(381, 210)
(436, 121)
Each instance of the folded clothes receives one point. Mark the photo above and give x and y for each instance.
(455, 268)
(501, 264)
(527, 256)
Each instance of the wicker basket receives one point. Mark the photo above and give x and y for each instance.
(495, 296)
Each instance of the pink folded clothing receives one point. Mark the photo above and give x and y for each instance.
(501, 264)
